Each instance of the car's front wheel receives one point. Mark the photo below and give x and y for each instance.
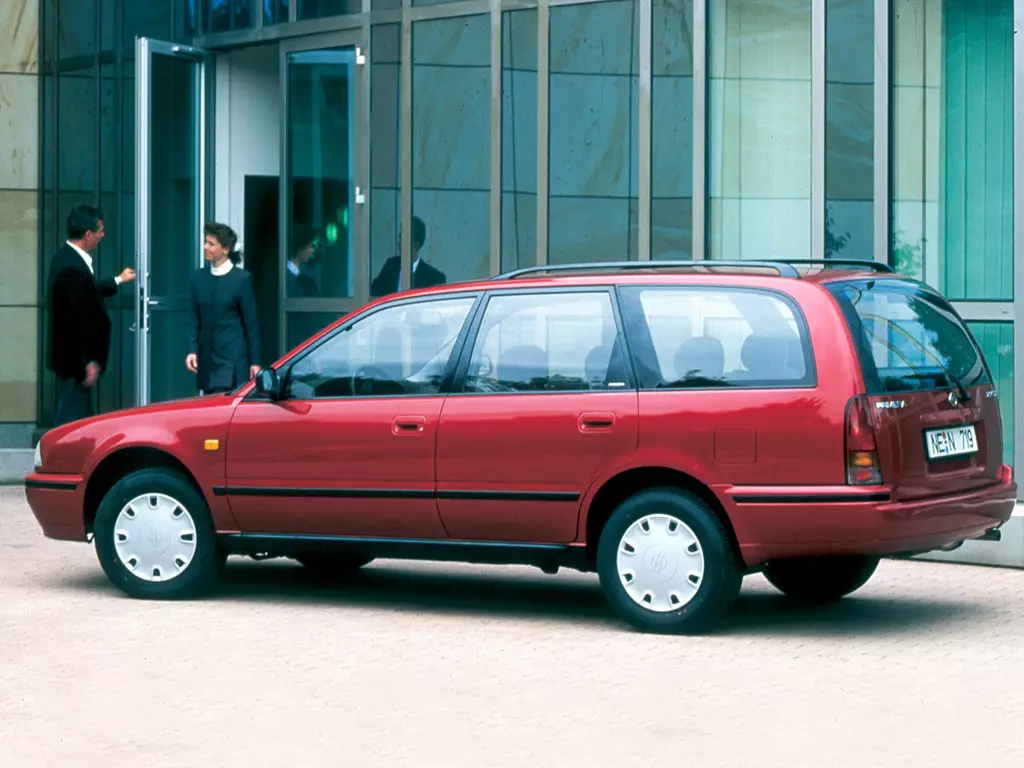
(666, 562)
(820, 579)
(155, 537)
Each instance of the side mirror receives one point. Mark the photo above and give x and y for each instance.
(268, 383)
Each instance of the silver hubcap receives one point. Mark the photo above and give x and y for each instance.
(661, 563)
(155, 537)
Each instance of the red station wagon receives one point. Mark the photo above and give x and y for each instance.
(671, 426)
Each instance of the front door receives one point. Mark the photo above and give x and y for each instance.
(349, 449)
(171, 183)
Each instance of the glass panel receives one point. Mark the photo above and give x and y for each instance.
(319, 9)
(151, 18)
(519, 139)
(701, 338)
(593, 111)
(188, 20)
(996, 342)
(908, 338)
(952, 140)
(321, 90)
(169, 379)
(400, 350)
(672, 131)
(385, 149)
(227, 15)
(759, 129)
(849, 129)
(76, 28)
(77, 128)
(451, 151)
(275, 12)
(547, 343)
(302, 325)
(174, 227)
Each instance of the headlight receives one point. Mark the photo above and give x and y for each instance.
(39, 456)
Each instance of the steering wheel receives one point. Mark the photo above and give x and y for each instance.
(367, 374)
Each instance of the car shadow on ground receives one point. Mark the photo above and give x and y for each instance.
(759, 611)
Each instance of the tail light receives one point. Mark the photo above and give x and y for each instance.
(862, 467)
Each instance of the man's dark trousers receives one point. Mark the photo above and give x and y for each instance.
(74, 401)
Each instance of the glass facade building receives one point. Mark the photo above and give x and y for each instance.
(519, 132)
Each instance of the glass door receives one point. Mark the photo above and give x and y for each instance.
(171, 183)
(322, 183)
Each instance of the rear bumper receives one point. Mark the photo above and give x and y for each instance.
(58, 503)
(773, 522)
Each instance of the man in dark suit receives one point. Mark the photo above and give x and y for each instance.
(423, 274)
(79, 340)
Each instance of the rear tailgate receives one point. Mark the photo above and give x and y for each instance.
(933, 406)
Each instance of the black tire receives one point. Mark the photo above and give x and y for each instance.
(206, 560)
(323, 565)
(820, 579)
(715, 592)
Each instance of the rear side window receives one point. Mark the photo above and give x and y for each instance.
(908, 337)
(701, 337)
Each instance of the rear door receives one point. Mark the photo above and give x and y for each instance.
(546, 406)
(933, 403)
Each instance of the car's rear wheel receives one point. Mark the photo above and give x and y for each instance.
(332, 566)
(666, 562)
(821, 579)
(155, 537)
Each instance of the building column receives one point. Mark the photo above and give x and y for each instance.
(19, 254)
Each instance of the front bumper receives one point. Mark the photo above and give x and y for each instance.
(58, 503)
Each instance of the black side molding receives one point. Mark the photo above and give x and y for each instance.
(545, 556)
(821, 498)
(393, 493)
(52, 485)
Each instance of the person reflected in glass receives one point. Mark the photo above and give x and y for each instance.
(223, 331)
(299, 284)
(389, 280)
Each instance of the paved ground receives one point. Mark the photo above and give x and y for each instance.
(423, 665)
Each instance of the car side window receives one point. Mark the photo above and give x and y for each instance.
(397, 350)
(708, 337)
(548, 342)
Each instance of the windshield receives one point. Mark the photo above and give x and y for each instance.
(908, 337)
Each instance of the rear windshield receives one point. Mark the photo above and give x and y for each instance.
(908, 337)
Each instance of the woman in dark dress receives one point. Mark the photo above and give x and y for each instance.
(224, 337)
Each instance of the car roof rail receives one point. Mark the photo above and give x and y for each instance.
(782, 268)
(864, 264)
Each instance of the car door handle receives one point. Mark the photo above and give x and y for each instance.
(409, 425)
(596, 422)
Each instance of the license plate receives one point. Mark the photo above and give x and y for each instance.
(952, 441)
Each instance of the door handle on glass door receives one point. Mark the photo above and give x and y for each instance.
(594, 422)
(409, 425)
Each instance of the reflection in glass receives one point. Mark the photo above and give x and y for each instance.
(996, 342)
(227, 15)
(303, 325)
(400, 350)
(319, 9)
(849, 129)
(451, 149)
(672, 130)
(385, 144)
(519, 139)
(321, 90)
(174, 245)
(593, 107)
(759, 129)
(952, 129)
(275, 12)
